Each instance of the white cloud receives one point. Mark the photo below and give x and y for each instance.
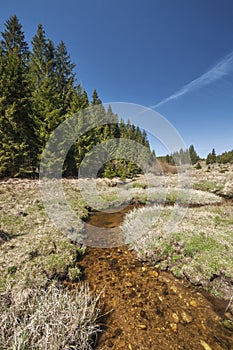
(222, 68)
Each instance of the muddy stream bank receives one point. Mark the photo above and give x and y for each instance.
(145, 308)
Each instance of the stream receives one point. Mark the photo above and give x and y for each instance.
(145, 308)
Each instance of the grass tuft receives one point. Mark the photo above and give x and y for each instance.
(200, 248)
(52, 318)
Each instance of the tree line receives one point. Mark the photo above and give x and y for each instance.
(183, 156)
(190, 156)
(39, 91)
(225, 157)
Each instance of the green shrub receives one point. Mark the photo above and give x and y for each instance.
(198, 166)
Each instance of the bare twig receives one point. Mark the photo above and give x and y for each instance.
(229, 304)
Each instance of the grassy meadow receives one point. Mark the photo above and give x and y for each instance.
(36, 257)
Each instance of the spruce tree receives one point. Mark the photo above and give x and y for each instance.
(214, 157)
(38, 91)
(17, 148)
(65, 78)
(46, 109)
(211, 157)
(193, 155)
(95, 98)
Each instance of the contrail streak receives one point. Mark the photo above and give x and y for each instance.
(222, 68)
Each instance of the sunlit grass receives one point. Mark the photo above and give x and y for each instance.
(51, 318)
(35, 254)
(200, 248)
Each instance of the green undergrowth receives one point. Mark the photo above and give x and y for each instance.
(205, 185)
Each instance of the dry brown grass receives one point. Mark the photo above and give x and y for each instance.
(162, 167)
(34, 312)
(49, 319)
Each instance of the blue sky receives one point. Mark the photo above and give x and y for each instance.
(177, 52)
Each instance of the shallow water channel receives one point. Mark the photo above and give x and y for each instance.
(102, 227)
(146, 308)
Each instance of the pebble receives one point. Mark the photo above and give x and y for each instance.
(129, 284)
(173, 327)
(186, 317)
(174, 289)
(155, 273)
(175, 318)
(143, 326)
(193, 303)
(205, 345)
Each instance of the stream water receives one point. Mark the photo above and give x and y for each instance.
(145, 308)
(102, 228)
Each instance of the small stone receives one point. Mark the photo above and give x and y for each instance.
(175, 318)
(143, 326)
(203, 326)
(193, 303)
(186, 317)
(205, 345)
(155, 273)
(174, 289)
(173, 327)
(129, 284)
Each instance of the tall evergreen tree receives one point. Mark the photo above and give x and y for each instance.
(46, 109)
(95, 99)
(37, 93)
(214, 157)
(193, 155)
(17, 151)
(65, 78)
(211, 157)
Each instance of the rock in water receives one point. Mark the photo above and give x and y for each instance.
(205, 345)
